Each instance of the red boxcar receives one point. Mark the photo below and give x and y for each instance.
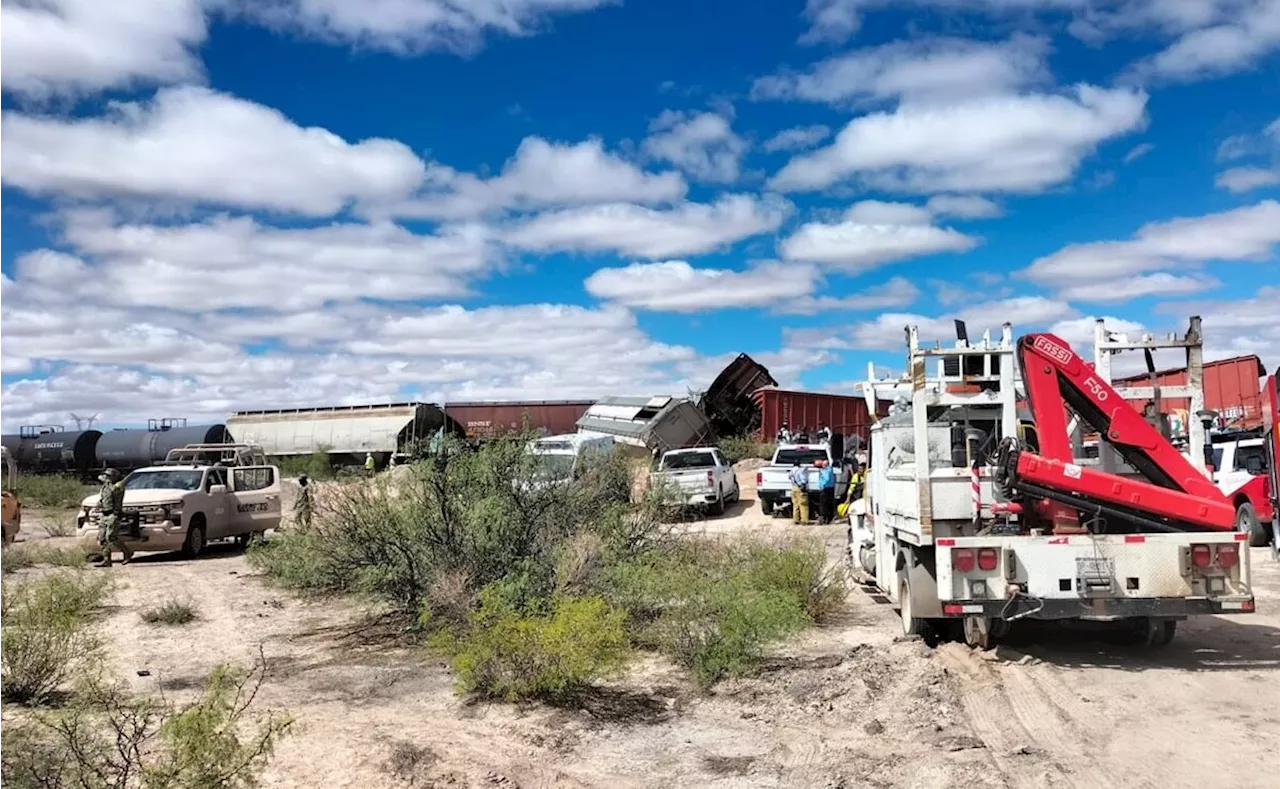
(1231, 387)
(548, 417)
(842, 413)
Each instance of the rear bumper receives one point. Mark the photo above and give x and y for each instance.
(1101, 609)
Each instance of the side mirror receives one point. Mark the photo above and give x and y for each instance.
(215, 490)
(1253, 464)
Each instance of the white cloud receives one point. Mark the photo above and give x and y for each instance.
(1246, 233)
(676, 286)
(701, 144)
(225, 263)
(896, 292)
(687, 229)
(963, 206)
(1138, 151)
(873, 233)
(1238, 327)
(408, 27)
(887, 331)
(1226, 36)
(1160, 283)
(1246, 179)
(540, 174)
(197, 145)
(939, 70)
(798, 138)
(835, 21)
(78, 47)
(1012, 143)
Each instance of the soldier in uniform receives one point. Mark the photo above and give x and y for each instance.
(302, 506)
(111, 504)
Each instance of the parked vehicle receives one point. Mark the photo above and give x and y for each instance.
(1240, 470)
(561, 459)
(1150, 544)
(773, 482)
(184, 505)
(12, 505)
(699, 477)
(1271, 424)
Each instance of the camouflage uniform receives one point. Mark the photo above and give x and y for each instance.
(111, 504)
(302, 506)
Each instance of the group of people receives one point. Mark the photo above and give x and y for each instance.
(787, 436)
(826, 494)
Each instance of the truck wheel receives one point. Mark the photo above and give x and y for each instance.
(911, 626)
(718, 506)
(737, 491)
(1247, 522)
(982, 633)
(193, 546)
(766, 506)
(1160, 632)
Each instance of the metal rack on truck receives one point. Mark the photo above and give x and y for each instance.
(974, 517)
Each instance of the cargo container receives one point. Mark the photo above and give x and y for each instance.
(1231, 387)
(845, 414)
(485, 419)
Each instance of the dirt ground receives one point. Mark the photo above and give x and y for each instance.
(849, 705)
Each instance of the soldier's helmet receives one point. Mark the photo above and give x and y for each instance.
(111, 475)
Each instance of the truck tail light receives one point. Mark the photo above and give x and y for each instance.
(1201, 556)
(987, 559)
(1228, 556)
(759, 478)
(711, 478)
(962, 559)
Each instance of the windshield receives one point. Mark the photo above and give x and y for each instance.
(805, 457)
(172, 480)
(553, 466)
(688, 460)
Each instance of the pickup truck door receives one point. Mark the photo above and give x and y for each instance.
(219, 509)
(256, 490)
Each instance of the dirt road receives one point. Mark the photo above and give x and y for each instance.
(848, 706)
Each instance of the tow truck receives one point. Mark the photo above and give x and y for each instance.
(973, 520)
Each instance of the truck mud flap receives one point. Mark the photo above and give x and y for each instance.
(1111, 608)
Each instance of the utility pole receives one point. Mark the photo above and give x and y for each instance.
(85, 422)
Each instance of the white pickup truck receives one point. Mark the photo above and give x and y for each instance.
(185, 505)
(699, 477)
(773, 482)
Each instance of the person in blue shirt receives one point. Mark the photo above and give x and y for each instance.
(799, 494)
(826, 491)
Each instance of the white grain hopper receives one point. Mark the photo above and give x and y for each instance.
(658, 423)
(339, 430)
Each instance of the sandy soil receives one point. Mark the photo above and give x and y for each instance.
(849, 705)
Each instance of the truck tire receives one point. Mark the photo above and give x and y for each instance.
(1247, 522)
(718, 506)
(911, 625)
(193, 546)
(1160, 632)
(766, 506)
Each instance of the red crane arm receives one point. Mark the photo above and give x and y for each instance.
(1175, 493)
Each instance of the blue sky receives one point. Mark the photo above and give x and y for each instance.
(219, 205)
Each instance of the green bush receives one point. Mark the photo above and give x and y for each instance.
(32, 554)
(714, 607)
(316, 466)
(171, 612)
(106, 738)
(513, 654)
(45, 633)
(735, 448)
(52, 490)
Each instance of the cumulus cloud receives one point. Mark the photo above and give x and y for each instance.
(676, 286)
(1221, 37)
(1264, 146)
(76, 47)
(931, 70)
(197, 145)
(886, 332)
(963, 206)
(873, 233)
(1022, 143)
(1241, 234)
(687, 229)
(539, 175)
(797, 138)
(410, 27)
(1237, 327)
(702, 144)
(1160, 283)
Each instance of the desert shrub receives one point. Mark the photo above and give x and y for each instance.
(45, 633)
(511, 653)
(34, 554)
(105, 737)
(317, 466)
(478, 513)
(51, 490)
(800, 570)
(735, 448)
(715, 607)
(171, 612)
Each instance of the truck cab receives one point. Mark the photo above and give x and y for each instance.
(773, 482)
(184, 505)
(1241, 467)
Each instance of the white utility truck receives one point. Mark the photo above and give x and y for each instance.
(971, 520)
(697, 477)
(201, 493)
(561, 459)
